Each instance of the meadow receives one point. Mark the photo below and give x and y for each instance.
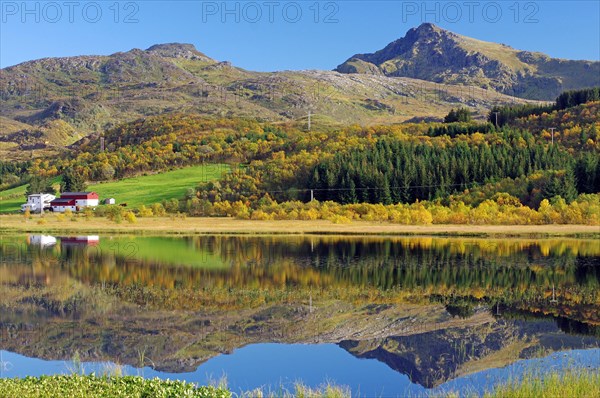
(54, 223)
(135, 191)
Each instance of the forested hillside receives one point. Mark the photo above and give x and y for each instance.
(437, 163)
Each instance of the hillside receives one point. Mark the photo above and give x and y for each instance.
(90, 94)
(387, 164)
(135, 191)
(434, 54)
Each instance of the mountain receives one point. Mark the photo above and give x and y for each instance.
(434, 54)
(438, 356)
(90, 94)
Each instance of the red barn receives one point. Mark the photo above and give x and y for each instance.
(74, 201)
(60, 205)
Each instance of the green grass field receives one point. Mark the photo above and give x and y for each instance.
(12, 199)
(135, 191)
(158, 187)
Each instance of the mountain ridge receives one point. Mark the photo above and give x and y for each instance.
(94, 93)
(431, 53)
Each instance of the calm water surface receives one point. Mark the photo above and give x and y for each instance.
(384, 316)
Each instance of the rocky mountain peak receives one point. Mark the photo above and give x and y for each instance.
(431, 53)
(428, 28)
(178, 50)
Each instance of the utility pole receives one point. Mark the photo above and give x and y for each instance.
(101, 144)
(308, 120)
(496, 113)
(552, 131)
(312, 195)
(554, 300)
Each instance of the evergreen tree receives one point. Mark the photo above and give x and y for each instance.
(562, 185)
(460, 115)
(586, 173)
(39, 185)
(72, 182)
(348, 194)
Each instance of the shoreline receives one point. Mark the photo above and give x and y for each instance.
(230, 226)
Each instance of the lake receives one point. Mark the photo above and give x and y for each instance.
(385, 316)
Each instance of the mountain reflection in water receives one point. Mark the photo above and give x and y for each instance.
(433, 309)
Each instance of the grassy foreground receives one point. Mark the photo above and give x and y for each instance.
(91, 386)
(75, 386)
(223, 225)
(574, 384)
(581, 384)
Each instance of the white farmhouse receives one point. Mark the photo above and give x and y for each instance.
(41, 240)
(38, 201)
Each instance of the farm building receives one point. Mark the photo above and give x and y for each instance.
(74, 201)
(38, 202)
(82, 198)
(90, 240)
(60, 205)
(41, 240)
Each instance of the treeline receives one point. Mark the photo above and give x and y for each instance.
(501, 209)
(569, 99)
(532, 189)
(458, 115)
(454, 129)
(394, 171)
(13, 174)
(501, 115)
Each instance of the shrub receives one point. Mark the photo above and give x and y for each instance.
(88, 212)
(158, 210)
(130, 217)
(222, 208)
(171, 206)
(260, 215)
(113, 212)
(143, 211)
(338, 219)
(240, 210)
(107, 386)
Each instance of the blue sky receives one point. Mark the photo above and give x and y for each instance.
(279, 35)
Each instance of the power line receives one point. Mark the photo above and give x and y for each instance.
(372, 188)
(312, 190)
